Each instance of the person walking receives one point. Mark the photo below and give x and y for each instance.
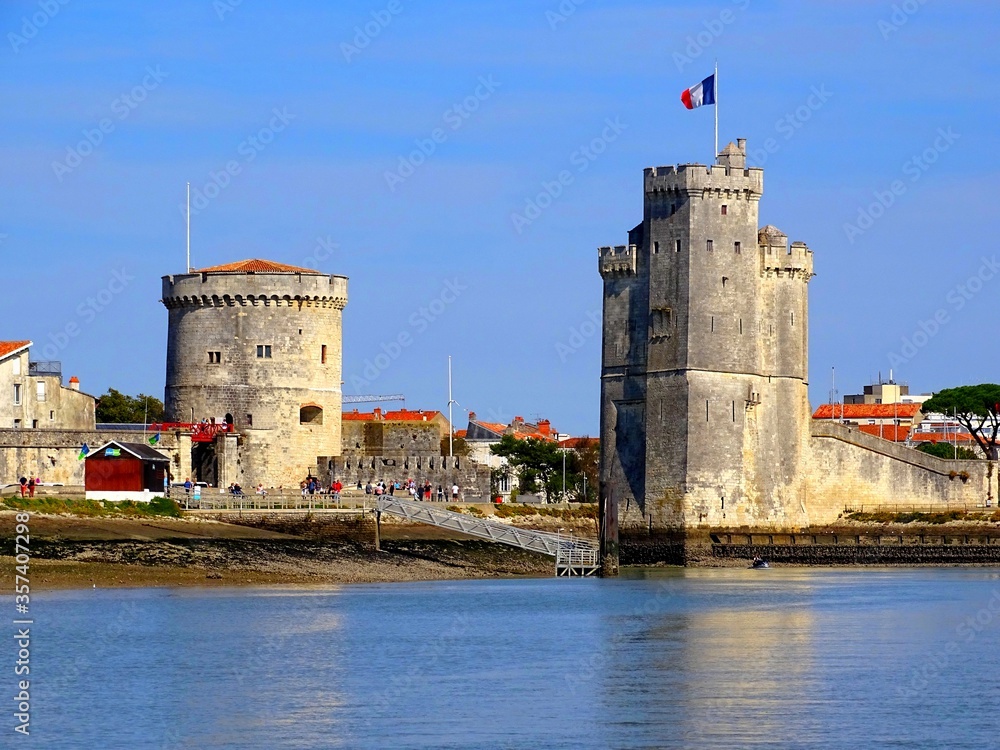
(454, 492)
(31, 487)
(24, 485)
(440, 494)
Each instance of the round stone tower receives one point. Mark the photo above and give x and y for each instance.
(258, 344)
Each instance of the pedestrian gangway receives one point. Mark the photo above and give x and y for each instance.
(574, 556)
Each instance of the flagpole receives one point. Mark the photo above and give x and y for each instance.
(716, 85)
(189, 220)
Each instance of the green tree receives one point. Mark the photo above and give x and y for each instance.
(539, 462)
(458, 446)
(946, 450)
(589, 462)
(118, 408)
(977, 409)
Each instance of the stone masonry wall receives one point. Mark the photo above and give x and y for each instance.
(473, 479)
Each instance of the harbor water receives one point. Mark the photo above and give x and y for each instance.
(666, 658)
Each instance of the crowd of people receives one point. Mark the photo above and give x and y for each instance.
(422, 492)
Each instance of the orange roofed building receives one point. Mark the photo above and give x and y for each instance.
(900, 415)
(395, 432)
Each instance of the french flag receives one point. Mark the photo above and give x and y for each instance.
(700, 93)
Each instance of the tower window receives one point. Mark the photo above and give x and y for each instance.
(706, 409)
(734, 411)
(724, 280)
(725, 209)
(677, 247)
(311, 414)
(793, 320)
(741, 326)
(713, 324)
(656, 248)
(263, 351)
(322, 354)
(249, 420)
(708, 245)
(214, 358)
(737, 248)
(52, 415)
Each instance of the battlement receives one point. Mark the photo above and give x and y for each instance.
(617, 260)
(795, 260)
(276, 289)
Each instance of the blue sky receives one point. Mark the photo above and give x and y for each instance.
(502, 95)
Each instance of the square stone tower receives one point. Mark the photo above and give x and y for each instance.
(704, 407)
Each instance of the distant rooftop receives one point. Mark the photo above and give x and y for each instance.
(9, 347)
(255, 265)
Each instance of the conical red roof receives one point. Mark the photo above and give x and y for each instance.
(255, 265)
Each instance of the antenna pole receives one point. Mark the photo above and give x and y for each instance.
(451, 429)
(189, 227)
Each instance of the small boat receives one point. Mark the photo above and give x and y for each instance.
(759, 563)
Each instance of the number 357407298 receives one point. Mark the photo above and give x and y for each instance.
(21, 549)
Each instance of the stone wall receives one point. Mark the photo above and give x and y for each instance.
(377, 438)
(473, 479)
(53, 454)
(849, 468)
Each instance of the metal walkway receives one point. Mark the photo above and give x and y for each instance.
(574, 556)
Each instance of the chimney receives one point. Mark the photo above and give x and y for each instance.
(543, 426)
(741, 144)
(377, 412)
(74, 383)
(472, 416)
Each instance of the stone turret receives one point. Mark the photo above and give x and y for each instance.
(258, 344)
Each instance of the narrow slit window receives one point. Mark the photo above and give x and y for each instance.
(677, 246)
(734, 411)
(737, 248)
(656, 248)
(725, 209)
(322, 354)
(713, 324)
(793, 320)
(706, 409)
(741, 326)
(708, 245)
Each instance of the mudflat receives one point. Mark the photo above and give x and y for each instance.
(82, 552)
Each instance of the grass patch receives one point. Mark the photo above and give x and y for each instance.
(157, 507)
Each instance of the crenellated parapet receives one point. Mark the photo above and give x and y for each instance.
(778, 258)
(619, 260)
(278, 289)
(697, 179)
(240, 300)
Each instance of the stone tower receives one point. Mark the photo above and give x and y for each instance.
(704, 407)
(258, 344)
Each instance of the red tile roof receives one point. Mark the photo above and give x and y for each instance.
(401, 415)
(866, 411)
(255, 265)
(938, 437)
(9, 347)
(461, 433)
(886, 431)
